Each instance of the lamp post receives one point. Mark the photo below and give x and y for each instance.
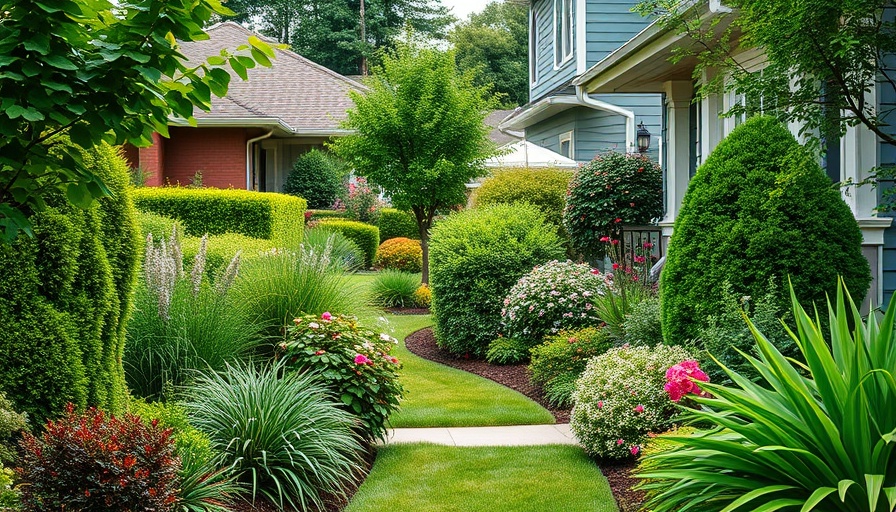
(643, 138)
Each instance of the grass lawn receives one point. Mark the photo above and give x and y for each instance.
(424, 477)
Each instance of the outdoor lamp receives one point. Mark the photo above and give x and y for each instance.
(643, 138)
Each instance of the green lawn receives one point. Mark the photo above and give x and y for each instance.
(422, 477)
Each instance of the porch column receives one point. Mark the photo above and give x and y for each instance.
(678, 102)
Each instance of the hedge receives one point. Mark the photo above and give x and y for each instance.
(159, 226)
(277, 217)
(760, 207)
(64, 298)
(220, 250)
(327, 214)
(476, 256)
(366, 236)
(395, 223)
(542, 188)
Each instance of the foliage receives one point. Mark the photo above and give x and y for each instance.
(559, 361)
(619, 399)
(159, 226)
(97, 72)
(552, 297)
(643, 324)
(361, 201)
(281, 285)
(507, 351)
(365, 236)
(394, 223)
(354, 363)
(213, 211)
(324, 214)
(418, 134)
(401, 254)
(316, 177)
(181, 323)
(221, 249)
(64, 299)
(12, 423)
(281, 433)
(394, 288)
(423, 296)
(611, 191)
(726, 337)
(92, 461)
(173, 415)
(832, 417)
(345, 254)
(757, 207)
(494, 44)
(627, 285)
(655, 445)
(9, 494)
(477, 257)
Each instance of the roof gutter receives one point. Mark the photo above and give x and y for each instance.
(249, 156)
(629, 115)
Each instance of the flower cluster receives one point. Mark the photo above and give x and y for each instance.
(355, 362)
(619, 399)
(361, 202)
(554, 296)
(680, 379)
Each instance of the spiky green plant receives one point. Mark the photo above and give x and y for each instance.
(819, 436)
(394, 288)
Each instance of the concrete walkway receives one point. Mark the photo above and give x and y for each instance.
(518, 435)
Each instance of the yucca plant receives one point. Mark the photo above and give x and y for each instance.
(394, 288)
(282, 433)
(813, 436)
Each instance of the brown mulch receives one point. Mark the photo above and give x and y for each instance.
(618, 474)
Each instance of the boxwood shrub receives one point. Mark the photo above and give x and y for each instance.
(64, 298)
(278, 217)
(395, 223)
(220, 249)
(760, 207)
(543, 188)
(316, 176)
(159, 226)
(365, 235)
(476, 256)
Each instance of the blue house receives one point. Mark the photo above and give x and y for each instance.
(692, 129)
(566, 38)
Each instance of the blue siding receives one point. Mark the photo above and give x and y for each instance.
(610, 23)
(549, 78)
(887, 158)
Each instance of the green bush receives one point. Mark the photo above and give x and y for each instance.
(221, 249)
(395, 223)
(394, 288)
(283, 433)
(345, 255)
(353, 361)
(12, 424)
(507, 351)
(327, 214)
(401, 254)
(643, 325)
(619, 399)
(64, 298)
(317, 177)
(277, 217)
(832, 418)
(760, 207)
(476, 257)
(559, 361)
(159, 226)
(9, 494)
(366, 236)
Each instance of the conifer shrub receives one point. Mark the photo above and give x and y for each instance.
(316, 176)
(476, 256)
(401, 254)
(65, 296)
(366, 236)
(760, 207)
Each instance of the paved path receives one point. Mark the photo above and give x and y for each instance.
(519, 435)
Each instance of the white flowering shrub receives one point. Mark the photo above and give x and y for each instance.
(552, 297)
(620, 398)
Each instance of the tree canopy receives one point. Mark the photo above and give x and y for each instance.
(329, 31)
(95, 71)
(418, 132)
(494, 43)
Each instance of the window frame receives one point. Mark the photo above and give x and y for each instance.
(570, 138)
(564, 22)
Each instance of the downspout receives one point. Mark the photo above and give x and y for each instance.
(249, 157)
(585, 99)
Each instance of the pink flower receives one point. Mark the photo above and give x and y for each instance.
(595, 271)
(620, 442)
(635, 449)
(648, 245)
(604, 239)
(615, 266)
(618, 220)
(639, 408)
(600, 404)
(680, 379)
(326, 317)
(614, 242)
(361, 359)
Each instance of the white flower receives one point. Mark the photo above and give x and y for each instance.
(314, 325)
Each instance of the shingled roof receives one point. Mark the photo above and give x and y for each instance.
(301, 97)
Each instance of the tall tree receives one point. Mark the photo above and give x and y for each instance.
(494, 43)
(329, 31)
(418, 133)
(96, 71)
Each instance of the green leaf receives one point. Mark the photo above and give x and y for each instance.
(81, 135)
(217, 60)
(15, 111)
(79, 195)
(260, 57)
(238, 68)
(60, 62)
(816, 498)
(33, 115)
(261, 46)
(347, 398)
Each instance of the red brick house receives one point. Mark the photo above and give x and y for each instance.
(252, 136)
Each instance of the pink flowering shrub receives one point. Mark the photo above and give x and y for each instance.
(353, 361)
(360, 201)
(680, 379)
(552, 297)
(619, 399)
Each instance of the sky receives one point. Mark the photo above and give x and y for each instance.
(461, 8)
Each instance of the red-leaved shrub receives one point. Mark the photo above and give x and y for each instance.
(92, 461)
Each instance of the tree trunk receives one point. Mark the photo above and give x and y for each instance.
(424, 244)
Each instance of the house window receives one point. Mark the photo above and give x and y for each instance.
(563, 17)
(533, 46)
(567, 145)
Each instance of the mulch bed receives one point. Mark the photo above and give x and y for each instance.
(618, 474)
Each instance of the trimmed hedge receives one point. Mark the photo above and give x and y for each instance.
(542, 188)
(316, 177)
(395, 223)
(64, 298)
(476, 256)
(221, 249)
(277, 217)
(760, 207)
(366, 236)
(159, 226)
(327, 214)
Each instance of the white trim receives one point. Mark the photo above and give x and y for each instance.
(533, 48)
(561, 59)
(568, 137)
(581, 29)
